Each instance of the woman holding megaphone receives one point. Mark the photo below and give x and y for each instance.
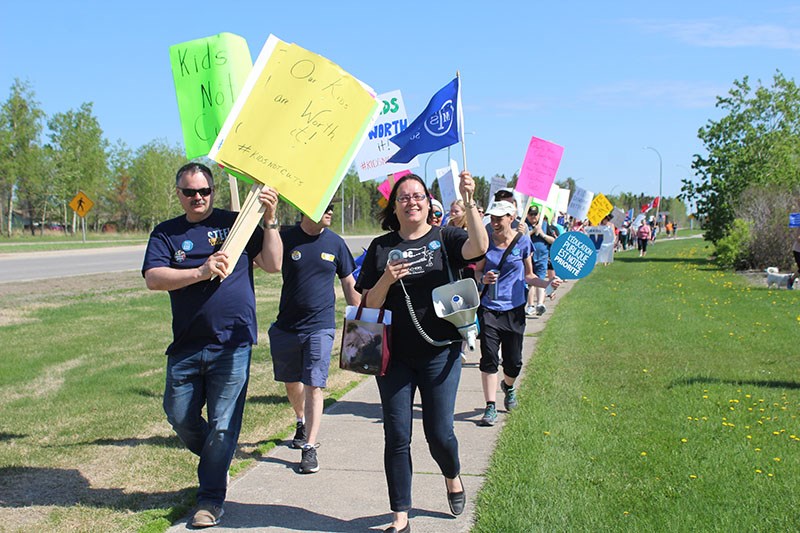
(400, 270)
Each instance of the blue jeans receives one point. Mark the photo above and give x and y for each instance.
(217, 378)
(437, 379)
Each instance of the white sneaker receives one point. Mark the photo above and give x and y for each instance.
(530, 311)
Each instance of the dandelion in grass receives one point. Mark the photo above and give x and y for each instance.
(758, 471)
(643, 454)
(684, 440)
(776, 459)
(692, 476)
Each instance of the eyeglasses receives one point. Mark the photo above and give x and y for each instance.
(189, 193)
(417, 197)
(437, 214)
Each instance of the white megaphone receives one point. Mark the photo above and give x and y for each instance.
(458, 302)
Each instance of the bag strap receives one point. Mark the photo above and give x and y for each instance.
(361, 305)
(514, 241)
(361, 308)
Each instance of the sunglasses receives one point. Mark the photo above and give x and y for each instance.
(437, 214)
(189, 193)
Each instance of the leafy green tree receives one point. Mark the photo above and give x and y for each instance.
(756, 142)
(80, 157)
(117, 199)
(153, 182)
(20, 149)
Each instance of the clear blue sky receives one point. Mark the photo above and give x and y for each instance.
(602, 79)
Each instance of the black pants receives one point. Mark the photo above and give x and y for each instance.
(501, 329)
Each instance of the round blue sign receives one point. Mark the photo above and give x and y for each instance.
(573, 255)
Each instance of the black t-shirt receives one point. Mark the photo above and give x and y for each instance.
(310, 263)
(426, 272)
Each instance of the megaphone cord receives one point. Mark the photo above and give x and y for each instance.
(417, 325)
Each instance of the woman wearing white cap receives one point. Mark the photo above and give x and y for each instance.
(504, 272)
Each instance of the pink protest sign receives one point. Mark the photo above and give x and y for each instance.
(539, 168)
(385, 188)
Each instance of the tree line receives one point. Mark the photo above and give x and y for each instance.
(132, 189)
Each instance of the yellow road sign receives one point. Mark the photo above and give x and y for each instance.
(81, 204)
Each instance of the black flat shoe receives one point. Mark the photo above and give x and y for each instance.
(393, 529)
(457, 500)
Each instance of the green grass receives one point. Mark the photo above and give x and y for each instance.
(53, 241)
(84, 443)
(662, 396)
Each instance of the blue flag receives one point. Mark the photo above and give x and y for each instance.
(436, 128)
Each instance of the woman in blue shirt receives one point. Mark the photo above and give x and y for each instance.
(502, 312)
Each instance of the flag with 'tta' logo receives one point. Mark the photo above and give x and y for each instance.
(435, 128)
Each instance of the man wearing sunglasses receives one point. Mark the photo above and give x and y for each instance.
(213, 325)
(301, 338)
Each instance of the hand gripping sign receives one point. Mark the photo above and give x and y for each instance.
(296, 126)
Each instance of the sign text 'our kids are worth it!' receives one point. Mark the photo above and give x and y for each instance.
(297, 125)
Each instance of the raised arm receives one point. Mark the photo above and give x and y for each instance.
(478, 240)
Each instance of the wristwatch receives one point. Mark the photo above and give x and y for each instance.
(273, 225)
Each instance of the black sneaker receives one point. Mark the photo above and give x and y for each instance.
(308, 462)
(299, 439)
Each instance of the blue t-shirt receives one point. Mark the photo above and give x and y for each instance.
(511, 288)
(309, 264)
(208, 313)
(541, 248)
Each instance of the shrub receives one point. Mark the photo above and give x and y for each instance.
(732, 251)
(765, 209)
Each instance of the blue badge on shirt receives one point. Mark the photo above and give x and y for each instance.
(434, 245)
(515, 252)
(187, 245)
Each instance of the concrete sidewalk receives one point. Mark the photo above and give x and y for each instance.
(349, 492)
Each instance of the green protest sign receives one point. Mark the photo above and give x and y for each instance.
(208, 75)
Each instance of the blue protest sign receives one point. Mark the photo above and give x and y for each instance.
(794, 220)
(573, 255)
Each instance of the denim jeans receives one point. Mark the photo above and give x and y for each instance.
(437, 380)
(217, 378)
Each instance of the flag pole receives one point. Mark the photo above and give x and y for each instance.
(460, 121)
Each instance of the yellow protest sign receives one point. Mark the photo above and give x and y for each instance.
(81, 204)
(599, 209)
(297, 125)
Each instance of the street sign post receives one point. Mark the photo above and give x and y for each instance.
(82, 204)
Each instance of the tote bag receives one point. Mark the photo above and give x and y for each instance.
(365, 340)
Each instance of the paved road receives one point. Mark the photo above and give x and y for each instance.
(29, 266)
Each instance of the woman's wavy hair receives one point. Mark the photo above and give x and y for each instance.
(388, 217)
